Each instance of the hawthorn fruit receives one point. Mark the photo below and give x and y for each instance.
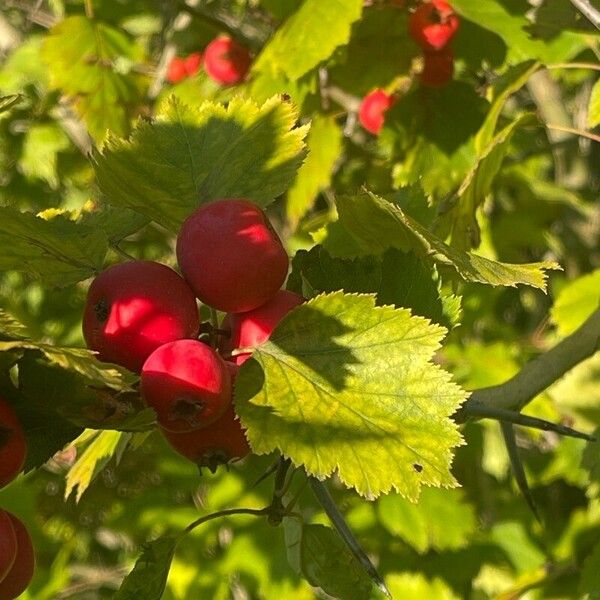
(433, 24)
(19, 576)
(188, 385)
(177, 70)
(438, 68)
(192, 63)
(231, 256)
(215, 445)
(8, 544)
(226, 61)
(13, 446)
(249, 329)
(373, 107)
(132, 308)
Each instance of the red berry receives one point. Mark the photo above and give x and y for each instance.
(21, 573)
(214, 445)
(133, 308)
(226, 61)
(438, 68)
(8, 544)
(13, 447)
(188, 385)
(192, 63)
(372, 110)
(433, 24)
(254, 327)
(230, 255)
(176, 71)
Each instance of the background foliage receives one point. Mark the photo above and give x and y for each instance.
(463, 210)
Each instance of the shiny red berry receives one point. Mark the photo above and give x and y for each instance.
(373, 107)
(13, 447)
(192, 63)
(18, 578)
(226, 61)
(433, 24)
(438, 68)
(176, 71)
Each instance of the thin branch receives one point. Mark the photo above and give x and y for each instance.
(257, 512)
(510, 416)
(573, 130)
(543, 371)
(328, 503)
(591, 13)
(89, 9)
(575, 65)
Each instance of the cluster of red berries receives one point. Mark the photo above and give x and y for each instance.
(432, 26)
(225, 61)
(17, 559)
(144, 316)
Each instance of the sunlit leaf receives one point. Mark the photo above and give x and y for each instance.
(344, 385)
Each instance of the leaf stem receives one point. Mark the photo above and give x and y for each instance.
(510, 416)
(328, 503)
(573, 130)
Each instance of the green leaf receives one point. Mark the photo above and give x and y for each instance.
(55, 251)
(93, 459)
(576, 302)
(593, 119)
(377, 225)
(10, 328)
(149, 576)
(309, 37)
(318, 553)
(77, 360)
(23, 66)
(478, 184)
(7, 102)
(414, 586)
(324, 146)
(589, 585)
(90, 61)
(187, 157)
(344, 385)
(442, 520)
(41, 146)
(508, 19)
(398, 278)
(117, 223)
(507, 84)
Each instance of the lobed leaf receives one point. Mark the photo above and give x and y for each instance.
(377, 224)
(189, 156)
(344, 385)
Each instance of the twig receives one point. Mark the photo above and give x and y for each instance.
(510, 416)
(543, 371)
(257, 512)
(575, 65)
(588, 11)
(581, 132)
(328, 503)
(89, 9)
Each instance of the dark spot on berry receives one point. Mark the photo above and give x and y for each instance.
(102, 310)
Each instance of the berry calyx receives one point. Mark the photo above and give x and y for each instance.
(192, 63)
(226, 61)
(373, 107)
(433, 24)
(249, 329)
(438, 68)
(215, 445)
(133, 308)
(231, 256)
(188, 385)
(8, 544)
(13, 447)
(19, 576)
(176, 71)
